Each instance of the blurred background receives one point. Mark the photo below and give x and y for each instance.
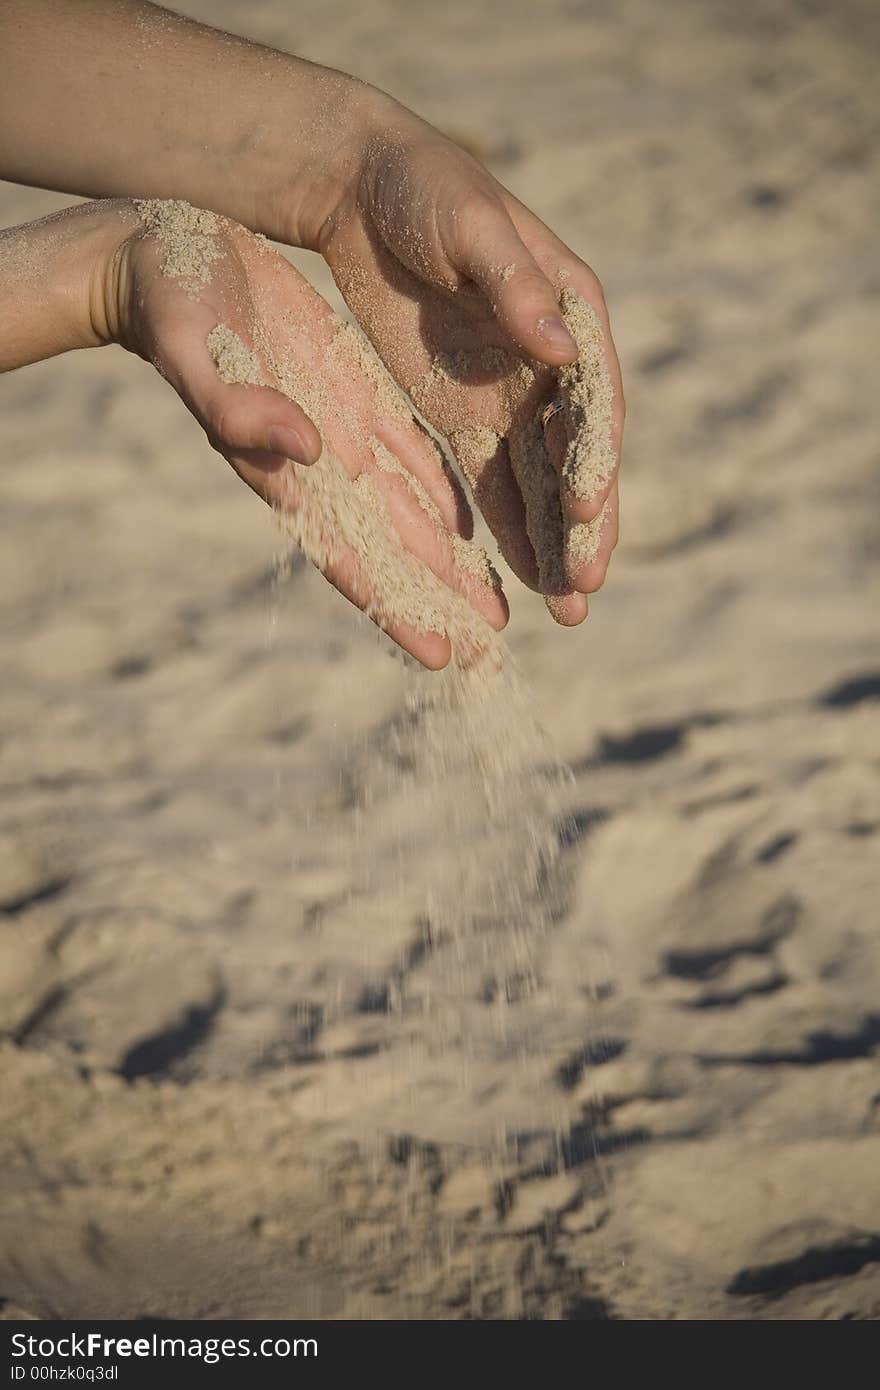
(223, 1091)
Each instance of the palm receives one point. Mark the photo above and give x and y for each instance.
(304, 350)
(414, 325)
(444, 337)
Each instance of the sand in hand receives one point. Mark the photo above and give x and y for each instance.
(515, 429)
(332, 514)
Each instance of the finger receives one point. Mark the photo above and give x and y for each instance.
(259, 461)
(588, 574)
(422, 457)
(580, 509)
(236, 416)
(499, 499)
(424, 538)
(483, 243)
(432, 649)
(557, 436)
(566, 270)
(344, 571)
(581, 279)
(358, 378)
(569, 610)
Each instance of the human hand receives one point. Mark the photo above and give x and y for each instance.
(237, 332)
(458, 287)
(441, 265)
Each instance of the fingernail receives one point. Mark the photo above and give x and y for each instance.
(556, 335)
(283, 440)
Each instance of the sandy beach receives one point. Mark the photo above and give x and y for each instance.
(302, 1013)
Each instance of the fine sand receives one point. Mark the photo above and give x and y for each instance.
(321, 993)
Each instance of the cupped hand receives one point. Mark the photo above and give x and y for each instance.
(458, 285)
(292, 340)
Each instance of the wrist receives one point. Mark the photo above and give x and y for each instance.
(54, 277)
(103, 280)
(299, 199)
(83, 251)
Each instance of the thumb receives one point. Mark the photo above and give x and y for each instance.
(485, 245)
(222, 381)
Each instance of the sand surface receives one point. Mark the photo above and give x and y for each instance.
(301, 1017)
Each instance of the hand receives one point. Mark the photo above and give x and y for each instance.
(437, 260)
(295, 341)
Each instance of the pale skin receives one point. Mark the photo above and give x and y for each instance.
(429, 250)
